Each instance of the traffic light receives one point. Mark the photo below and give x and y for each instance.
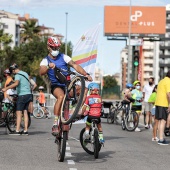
(136, 58)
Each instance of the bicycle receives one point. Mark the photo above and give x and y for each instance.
(39, 113)
(70, 107)
(114, 113)
(92, 145)
(130, 118)
(9, 118)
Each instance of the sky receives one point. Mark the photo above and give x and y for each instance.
(82, 15)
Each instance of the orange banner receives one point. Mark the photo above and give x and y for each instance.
(145, 21)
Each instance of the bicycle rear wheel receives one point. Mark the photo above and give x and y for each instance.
(61, 146)
(11, 121)
(72, 102)
(38, 113)
(131, 121)
(96, 143)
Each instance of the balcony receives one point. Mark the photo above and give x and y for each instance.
(164, 65)
(147, 61)
(164, 47)
(164, 56)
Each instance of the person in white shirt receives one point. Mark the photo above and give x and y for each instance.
(147, 91)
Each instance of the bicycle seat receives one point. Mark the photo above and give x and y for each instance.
(95, 121)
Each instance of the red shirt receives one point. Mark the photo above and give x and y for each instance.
(94, 101)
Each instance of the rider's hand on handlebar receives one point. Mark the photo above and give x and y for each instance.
(89, 78)
(51, 65)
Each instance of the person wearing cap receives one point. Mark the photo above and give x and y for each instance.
(22, 85)
(162, 103)
(137, 95)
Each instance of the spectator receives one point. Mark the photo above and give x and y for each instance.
(151, 100)
(147, 91)
(162, 104)
(138, 96)
(22, 85)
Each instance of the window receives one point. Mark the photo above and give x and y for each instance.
(5, 26)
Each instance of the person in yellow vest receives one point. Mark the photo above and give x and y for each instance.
(138, 96)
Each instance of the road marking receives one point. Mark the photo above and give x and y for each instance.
(73, 169)
(67, 148)
(71, 162)
(74, 138)
(68, 154)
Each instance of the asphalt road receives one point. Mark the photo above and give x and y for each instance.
(122, 150)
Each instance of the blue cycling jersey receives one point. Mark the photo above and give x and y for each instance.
(60, 63)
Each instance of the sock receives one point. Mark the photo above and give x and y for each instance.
(55, 120)
(100, 135)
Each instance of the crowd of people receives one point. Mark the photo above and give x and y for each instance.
(154, 100)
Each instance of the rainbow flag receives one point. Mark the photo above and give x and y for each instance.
(85, 51)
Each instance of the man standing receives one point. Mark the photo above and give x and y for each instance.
(24, 97)
(162, 104)
(147, 91)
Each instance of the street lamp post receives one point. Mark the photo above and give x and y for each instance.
(66, 35)
(129, 47)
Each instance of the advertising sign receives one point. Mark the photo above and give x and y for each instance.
(145, 21)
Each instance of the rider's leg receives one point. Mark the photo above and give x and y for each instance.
(25, 121)
(100, 132)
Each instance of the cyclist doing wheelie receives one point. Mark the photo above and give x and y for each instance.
(94, 102)
(47, 66)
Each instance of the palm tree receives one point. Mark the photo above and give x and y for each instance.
(30, 30)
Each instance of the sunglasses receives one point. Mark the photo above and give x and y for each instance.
(54, 48)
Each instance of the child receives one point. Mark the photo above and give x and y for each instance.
(127, 92)
(94, 102)
(152, 99)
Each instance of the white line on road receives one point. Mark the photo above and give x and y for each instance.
(68, 154)
(71, 162)
(73, 169)
(67, 148)
(74, 138)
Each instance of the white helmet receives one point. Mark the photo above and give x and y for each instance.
(41, 88)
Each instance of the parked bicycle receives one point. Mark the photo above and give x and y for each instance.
(41, 112)
(92, 145)
(71, 105)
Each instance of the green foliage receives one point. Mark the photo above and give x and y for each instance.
(109, 81)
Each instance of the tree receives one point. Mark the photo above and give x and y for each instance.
(30, 30)
(109, 81)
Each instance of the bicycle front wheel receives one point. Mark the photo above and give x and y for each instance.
(96, 143)
(86, 145)
(38, 113)
(61, 146)
(73, 100)
(131, 121)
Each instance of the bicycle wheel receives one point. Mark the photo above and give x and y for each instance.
(86, 144)
(72, 102)
(117, 116)
(38, 113)
(11, 121)
(110, 116)
(49, 113)
(96, 143)
(29, 121)
(61, 146)
(131, 121)
(123, 124)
